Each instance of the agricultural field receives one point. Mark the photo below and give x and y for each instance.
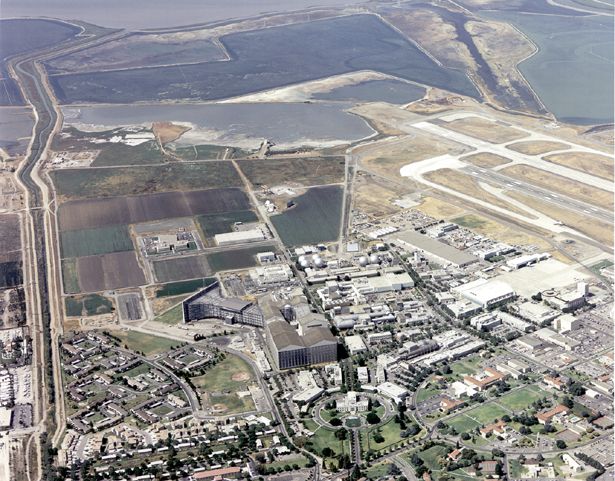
(274, 57)
(11, 274)
(144, 343)
(181, 268)
(92, 213)
(213, 224)
(109, 271)
(70, 279)
(315, 217)
(305, 171)
(121, 154)
(89, 242)
(236, 258)
(183, 287)
(92, 183)
(88, 305)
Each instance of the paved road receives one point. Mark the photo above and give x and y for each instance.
(545, 195)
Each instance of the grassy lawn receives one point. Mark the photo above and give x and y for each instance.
(428, 391)
(522, 398)
(462, 423)
(378, 470)
(325, 437)
(431, 456)
(230, 374)
(147, 344)
(302, 461)
(171, 316)
(487, 413)
(390, 432)
(467, 366)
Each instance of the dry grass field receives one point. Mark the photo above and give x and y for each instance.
(439, 209)
(168, 132)
(485, 159)
(483, 129)
(305, 171)
(594, 164)
(536, 147)
(560, 184)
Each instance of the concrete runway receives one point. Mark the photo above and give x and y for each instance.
(543, 194)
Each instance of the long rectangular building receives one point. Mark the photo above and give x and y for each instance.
(209, 303)
(439, 251)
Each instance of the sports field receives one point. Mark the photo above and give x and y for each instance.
(231, 374)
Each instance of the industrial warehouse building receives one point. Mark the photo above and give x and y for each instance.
(291, 347)
(436, 250)
(209, 303)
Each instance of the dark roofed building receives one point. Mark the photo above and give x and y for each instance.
(209, 303)
(290, 349)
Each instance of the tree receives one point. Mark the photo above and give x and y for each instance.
(394, 470)
(561, 444)
(327, 452)
(465, 436)
(372, 418)
(335, 422)
(341, 434)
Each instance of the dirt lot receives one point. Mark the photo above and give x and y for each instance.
(598, 165)
(304, 171)
(373, 197)
(484, 130)
(485, 159)
(109, 271)
(466, 184)
(90, 213)
(168, 132)
(562, 185)
(600, 231)
(537, 147)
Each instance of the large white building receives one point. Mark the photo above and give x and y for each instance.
(239, 237)
(355, 344)
(486, 293)
(393, 391)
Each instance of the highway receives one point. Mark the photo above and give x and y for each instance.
(545, 195)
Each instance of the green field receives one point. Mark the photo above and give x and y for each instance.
(431, 456)
(378, 470)
(147, 344)
(390, 432)
(122, 154)
(171, 316)
(183, 287)
(485, 414)
(469, 221)
(89, 305)
(325, 438)
(231, 403)
(90, 242)
(220, 223)
(522, 398)
(220, 377)
(94, 183)
(315, 217)
(70, 280)
(208, 152)
(426, 392)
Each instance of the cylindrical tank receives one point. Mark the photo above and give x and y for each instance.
(301, 259)
(304, 264)
(315, 257)
(374, 259)
(319, 262)
(363, 261)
